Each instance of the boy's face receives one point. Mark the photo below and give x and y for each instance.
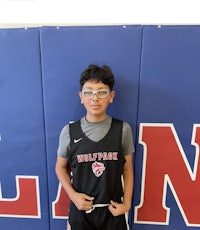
(96, 103)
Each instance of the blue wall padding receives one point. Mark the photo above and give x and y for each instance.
(169, 93)
(66, 52)
(157, 81)
(22, 145)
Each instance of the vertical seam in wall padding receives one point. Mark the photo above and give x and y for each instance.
(138, 97)
(43, 106)
(140, 67)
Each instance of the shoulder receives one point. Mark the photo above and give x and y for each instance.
(64, 132)
(127, 139)
(66, 129)
(127, 131)
(116, 121)
(126, 126)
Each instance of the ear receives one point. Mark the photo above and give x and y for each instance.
(112, 95)
(81, 97)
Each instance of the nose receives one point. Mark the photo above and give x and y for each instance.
(95, 97)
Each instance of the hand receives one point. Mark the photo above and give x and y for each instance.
(118, 208)
(83, 201)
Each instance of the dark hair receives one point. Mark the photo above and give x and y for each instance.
(98, 74)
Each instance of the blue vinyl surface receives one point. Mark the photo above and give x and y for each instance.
(22, 145)
(157, 75)
(169, 93)
(66, 52)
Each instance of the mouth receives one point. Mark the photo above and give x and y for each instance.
(95, 106)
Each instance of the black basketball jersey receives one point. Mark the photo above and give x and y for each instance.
(97, 166)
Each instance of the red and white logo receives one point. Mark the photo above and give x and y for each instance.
(98, 168)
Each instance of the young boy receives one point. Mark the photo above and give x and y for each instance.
(99, 150)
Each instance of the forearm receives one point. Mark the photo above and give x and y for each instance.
(128, 182)
(64, 179)
(118, 209)
(81, 200)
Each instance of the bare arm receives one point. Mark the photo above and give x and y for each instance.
(81, 200)
(119, 209)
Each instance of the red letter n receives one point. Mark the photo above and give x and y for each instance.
(165, 163)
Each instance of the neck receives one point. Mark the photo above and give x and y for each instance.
(95, 118)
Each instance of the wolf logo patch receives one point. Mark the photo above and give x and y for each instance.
(98, 168)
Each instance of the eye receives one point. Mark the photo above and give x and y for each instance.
(102, 93)
(87, 93)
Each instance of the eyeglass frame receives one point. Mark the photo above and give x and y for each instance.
(95, 92)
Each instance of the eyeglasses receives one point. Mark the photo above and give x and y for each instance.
(101, 93)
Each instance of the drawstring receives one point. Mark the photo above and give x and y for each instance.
(97, 206)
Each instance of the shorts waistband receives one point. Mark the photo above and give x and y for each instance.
(96, 206)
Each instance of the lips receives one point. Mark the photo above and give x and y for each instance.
(95, 106)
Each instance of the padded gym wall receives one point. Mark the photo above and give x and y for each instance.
(66, 52)
(23, 175)
(157, 82)
(168, 119)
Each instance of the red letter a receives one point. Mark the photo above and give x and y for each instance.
(60, 206)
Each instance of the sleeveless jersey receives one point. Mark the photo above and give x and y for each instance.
(97, 166)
